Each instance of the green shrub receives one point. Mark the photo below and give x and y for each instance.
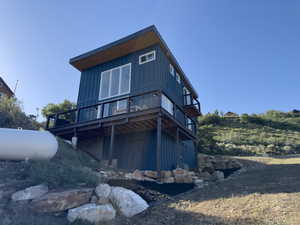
(206, 141)
(273, 132)
(12, 116)
(210, 119)
(69, 168)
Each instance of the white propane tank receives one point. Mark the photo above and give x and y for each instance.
(16, 144)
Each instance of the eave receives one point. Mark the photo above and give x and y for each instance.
(7, 87)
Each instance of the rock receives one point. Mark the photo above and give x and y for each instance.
(127, 202)
(199, 183)
(30, 193)
(168, 180)
(92, 213)
(103, 192)
(220, 165)
(182, 176)
(94, 199)
(191, 173)
(204, 175)
(218, 176)
(60, 201)
(138, 175)
(233, 164)
(129, 176)
(166, 174)
(209, 169)
(151, 174)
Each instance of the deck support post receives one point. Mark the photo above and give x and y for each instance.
(158, 147)
(177, 148)
(111, 147)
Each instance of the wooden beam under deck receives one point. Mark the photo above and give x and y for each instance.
(140, 121)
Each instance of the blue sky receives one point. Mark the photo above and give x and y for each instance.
(241, 56)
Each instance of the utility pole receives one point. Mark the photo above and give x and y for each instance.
(16, 87)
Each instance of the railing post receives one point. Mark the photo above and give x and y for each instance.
(77, 115)
(177, 148)
(111, 147)
(128, 105)
(47, 123)
(55, 120)
(158, 146)
(102, 111)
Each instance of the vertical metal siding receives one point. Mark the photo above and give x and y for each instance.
(137, 150)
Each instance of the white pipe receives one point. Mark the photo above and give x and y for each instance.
(26, 144)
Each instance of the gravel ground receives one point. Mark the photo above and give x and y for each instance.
(266, 196)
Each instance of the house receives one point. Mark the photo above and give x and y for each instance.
(135, 107)
(5, 90)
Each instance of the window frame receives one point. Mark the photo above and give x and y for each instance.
(110, 79)
(178, 78)
(172, 70)
(147, 60)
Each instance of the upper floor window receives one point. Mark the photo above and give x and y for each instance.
(115, 82)
(177, 78)
(172, 71)
(187, 96)
(1, 95)
(148, 57)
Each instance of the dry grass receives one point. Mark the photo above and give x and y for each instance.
(265, 195)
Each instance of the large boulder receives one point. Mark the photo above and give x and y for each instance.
(217, 176)
(138, 175)
(182, 176)
(166, 173)
(60, 201)
(151, 174)
(30, 193)
(92, 213)
(233, 164)
(103, 192)
(127, 202)
(220, 164)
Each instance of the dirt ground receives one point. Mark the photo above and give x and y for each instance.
(267, 195)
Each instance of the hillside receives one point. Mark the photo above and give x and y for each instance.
(272, 198)
(273, 133)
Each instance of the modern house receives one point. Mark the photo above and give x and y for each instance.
(5, 90)
(136, 107)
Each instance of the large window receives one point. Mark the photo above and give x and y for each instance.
(167, 104)
(115, 82)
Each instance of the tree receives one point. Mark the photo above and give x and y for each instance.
(12, 115)
(57, 108)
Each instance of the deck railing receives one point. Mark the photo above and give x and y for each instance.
(189, 100)
(111, 108)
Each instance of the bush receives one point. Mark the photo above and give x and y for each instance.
(210, 119)
(69, 168)
(12, 116)
(206, 142)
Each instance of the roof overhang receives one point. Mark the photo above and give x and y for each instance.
(132, 43)
(7, 87)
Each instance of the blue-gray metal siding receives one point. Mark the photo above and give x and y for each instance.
(138, 150)
(146, 77)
